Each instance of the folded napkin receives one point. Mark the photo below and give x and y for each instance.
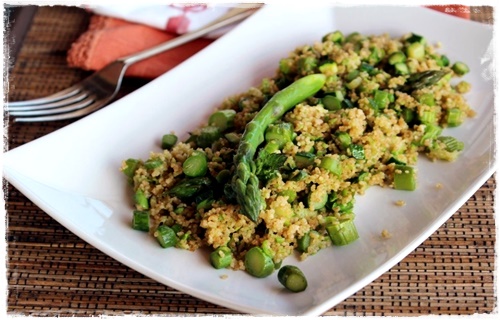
(453, 9)
(117, 31)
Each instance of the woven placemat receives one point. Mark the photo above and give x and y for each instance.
(52, 272)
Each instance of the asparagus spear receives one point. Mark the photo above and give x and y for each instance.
(245, 182)
(189, 187)
(423, 79)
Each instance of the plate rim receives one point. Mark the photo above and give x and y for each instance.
(12, 176)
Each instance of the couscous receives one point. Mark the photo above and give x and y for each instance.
(277, 169)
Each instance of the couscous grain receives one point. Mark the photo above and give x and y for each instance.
(383, 101)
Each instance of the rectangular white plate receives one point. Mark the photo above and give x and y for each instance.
(72, 174)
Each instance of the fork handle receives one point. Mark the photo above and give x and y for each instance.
(234, 15)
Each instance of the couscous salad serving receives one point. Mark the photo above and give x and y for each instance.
(276, 169)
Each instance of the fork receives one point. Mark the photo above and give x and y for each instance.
(99, 89)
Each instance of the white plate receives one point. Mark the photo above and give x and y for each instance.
(72, 174)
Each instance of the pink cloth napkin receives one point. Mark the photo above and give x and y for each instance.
(117, 31)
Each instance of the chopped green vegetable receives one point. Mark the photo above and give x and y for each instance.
(328, 68)
(357, 151)
(195, 165)
(257, 263)
(292, 278)
(401, 68)
(344, 140)
(140, 220)
(416, 50)
(368, 68)
(428, 117)
(381, 99)
(427, 99)
(189, 187)
(363, 176)
(354, 37)
(445, 61)
(222, 119)
(460, 68)
(279, 239)
(442, 60)
(221, 257)
(335, 36)
(140, 199)
(207, 136)
(270, 147)
(408, 115)
(396, 57)
(179, 210)
(232, 137)
(331, 164)
(130, 167)
(299, 176)
(445, 148)
(205, 204)
(396, 161)
(317, 199)
(166, 236)
(307, 65)
(153, 163)
(303, 242)
(266, 248)
(177, 228)
(352, 75)
(168, 141)
(416, 38)
(343, 232)
(431, 132)
(223, 176)
(451, 143)
(376, 55)
(332, 103)
(344, 207)
(454, 117)
(290, 194)
(404, 178)
(304, 159)
(356, 82)
(285, 65)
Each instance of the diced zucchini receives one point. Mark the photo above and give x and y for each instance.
(404, 178)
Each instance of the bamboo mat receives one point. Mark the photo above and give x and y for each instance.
(52, 272)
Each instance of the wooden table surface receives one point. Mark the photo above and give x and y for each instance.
(52, 272)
